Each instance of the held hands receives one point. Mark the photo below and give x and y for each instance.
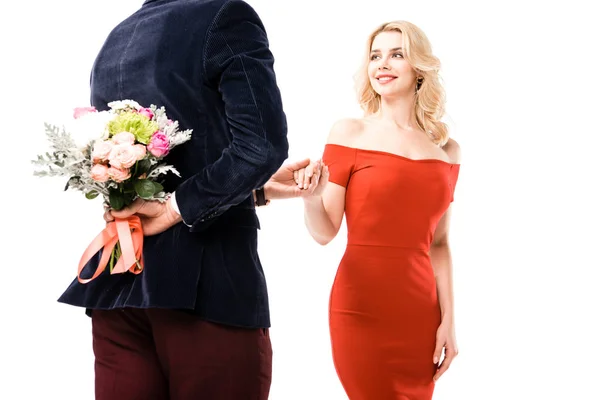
(298, 179)
(446, 340)
(313, 179)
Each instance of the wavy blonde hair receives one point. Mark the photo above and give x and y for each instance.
(429, 96)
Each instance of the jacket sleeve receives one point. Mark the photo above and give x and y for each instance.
(238, 62)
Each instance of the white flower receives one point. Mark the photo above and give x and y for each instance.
(162, 120)
(122, 104)
(89, 127)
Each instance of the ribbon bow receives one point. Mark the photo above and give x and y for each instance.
(128, 233)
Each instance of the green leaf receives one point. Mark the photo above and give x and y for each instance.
(144, 188)
(157, 187)
(91, 195)
(143, 167)
(116, 199)
(129, 198)
(128, 188)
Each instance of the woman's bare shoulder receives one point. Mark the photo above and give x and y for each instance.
(345, 131)
(452, 149)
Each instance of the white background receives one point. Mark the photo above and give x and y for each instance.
(522, 82)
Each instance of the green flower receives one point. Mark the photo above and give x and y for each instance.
(139, 125)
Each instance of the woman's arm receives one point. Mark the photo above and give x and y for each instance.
(441, 260)
(324, 211)
(441, 257)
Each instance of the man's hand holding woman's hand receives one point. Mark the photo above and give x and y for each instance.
(298, 179)
(312, 179)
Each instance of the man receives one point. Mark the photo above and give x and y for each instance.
(194, 324)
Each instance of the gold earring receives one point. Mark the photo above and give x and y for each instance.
(420, 80)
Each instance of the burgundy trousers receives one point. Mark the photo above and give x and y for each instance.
(158, 354)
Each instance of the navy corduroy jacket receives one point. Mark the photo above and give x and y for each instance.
(208, 63)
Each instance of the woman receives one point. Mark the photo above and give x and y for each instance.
(393, 173)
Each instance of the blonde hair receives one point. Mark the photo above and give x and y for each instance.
(429, 97)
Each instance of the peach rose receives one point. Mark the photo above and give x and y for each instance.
(123, 156)
(101, 150)
(124, 138)
(99, 173)
(140, 150)
(119, 174)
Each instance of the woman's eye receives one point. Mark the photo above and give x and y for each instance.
(398, 55)
(374, 57)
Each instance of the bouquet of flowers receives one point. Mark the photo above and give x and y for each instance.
(117, 154)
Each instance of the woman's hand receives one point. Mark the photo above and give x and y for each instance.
(446, 341)
(313, 178)
(284, 183)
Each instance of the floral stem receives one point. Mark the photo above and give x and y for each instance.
(111, 263)
(114, 256)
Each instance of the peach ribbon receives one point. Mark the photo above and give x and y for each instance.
(128, 233)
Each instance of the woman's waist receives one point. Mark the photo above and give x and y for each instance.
(389, 246)
(380, 277)
(393, 260)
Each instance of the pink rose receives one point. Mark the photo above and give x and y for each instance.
(123, 156)
(101, 150)
(100, 173)
(159, 144)
(123, 138)
(147, 112)
(140, 150)
(79, 111)
(119, 174)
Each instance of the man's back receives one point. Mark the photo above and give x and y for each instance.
(208, 63)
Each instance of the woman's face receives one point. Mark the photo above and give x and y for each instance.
(389, 72)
